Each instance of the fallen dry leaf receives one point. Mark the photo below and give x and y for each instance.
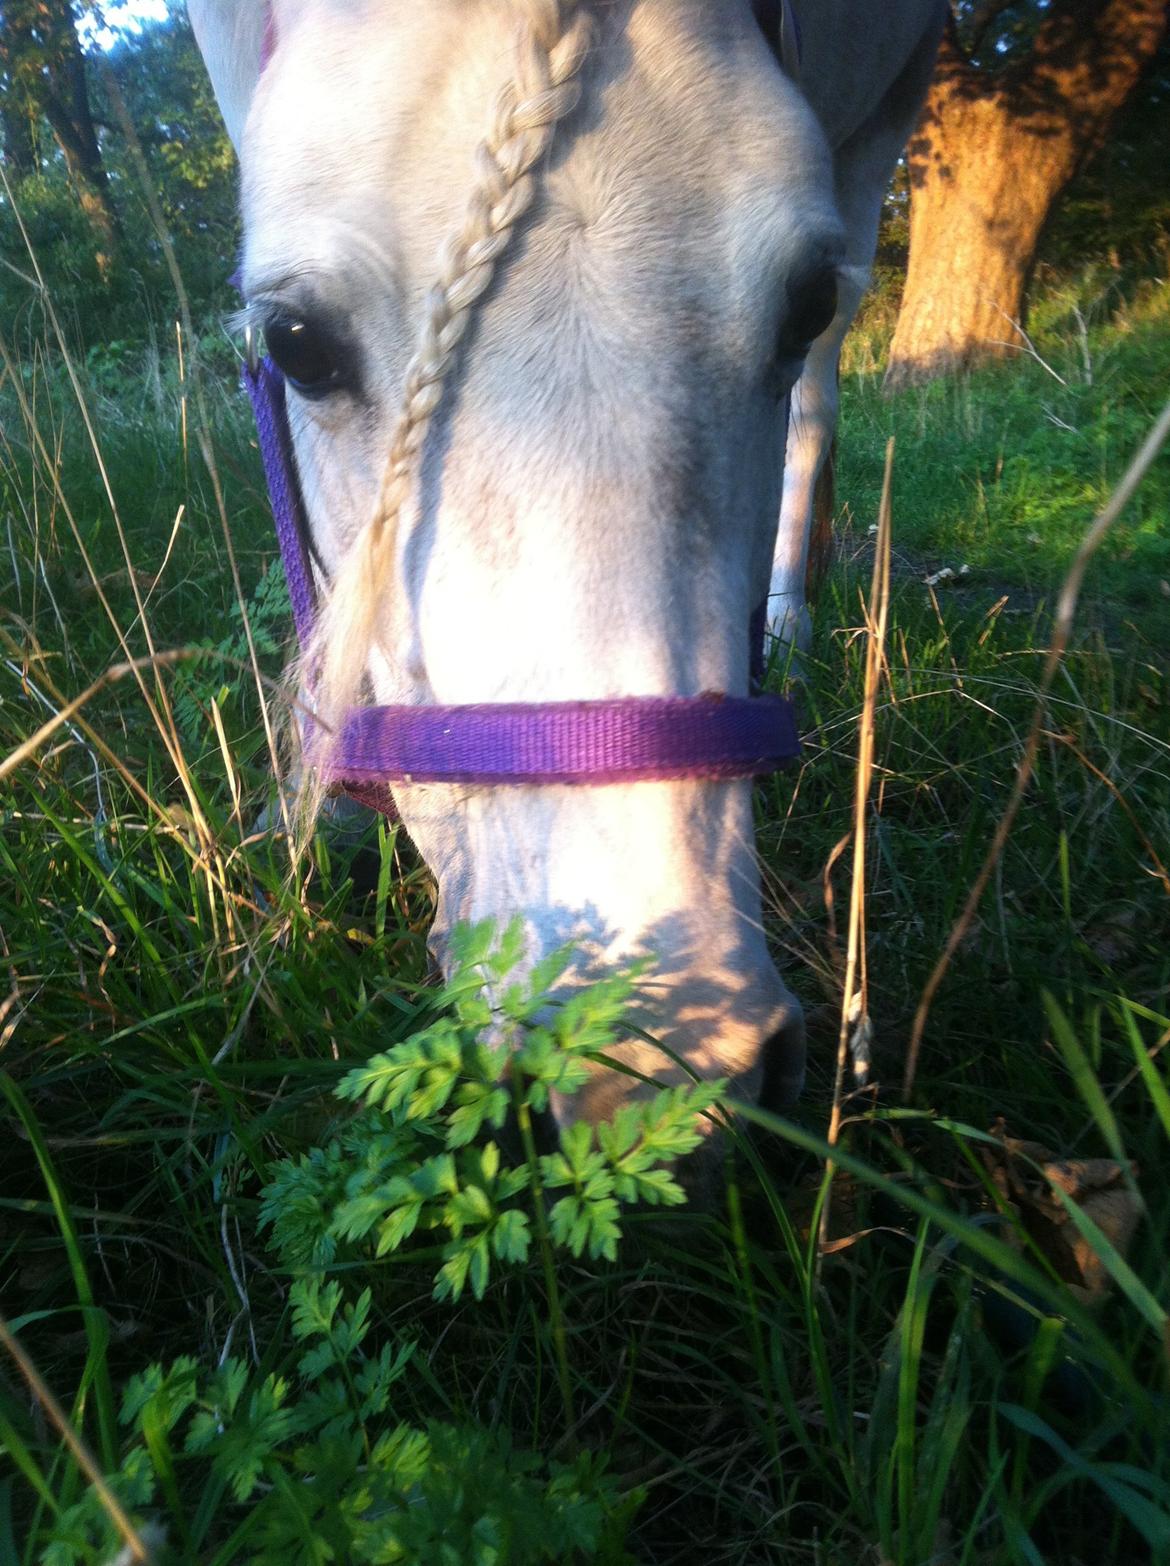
(1097, 1185)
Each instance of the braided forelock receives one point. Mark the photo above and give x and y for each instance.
(555, 36)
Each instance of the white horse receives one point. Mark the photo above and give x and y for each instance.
(584, 496)
(865, 69)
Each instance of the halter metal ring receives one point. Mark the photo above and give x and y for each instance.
(251, 349)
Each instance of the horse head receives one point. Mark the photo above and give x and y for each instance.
(582, 505)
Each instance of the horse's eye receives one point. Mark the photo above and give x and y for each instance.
(309, 356)
(812, 304)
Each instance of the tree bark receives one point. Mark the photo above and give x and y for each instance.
(43, 62)
(991, 157)
(18, 141)
(68, 111)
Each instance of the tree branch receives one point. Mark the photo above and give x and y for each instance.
(1090, 53)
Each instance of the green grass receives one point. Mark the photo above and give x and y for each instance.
(999, 471)
(178, 1015)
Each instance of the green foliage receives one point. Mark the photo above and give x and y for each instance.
(223, 674)
(313, 1453)
(191, 162)
(999, 470)
(63, 243)
(127, 293)
(408, 1166)
(319, 1470)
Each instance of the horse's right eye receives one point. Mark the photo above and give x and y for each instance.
(309, 356)
(812, 308)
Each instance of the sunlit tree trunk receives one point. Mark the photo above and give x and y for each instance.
(993, 153)
(44, 75)
(67, 109)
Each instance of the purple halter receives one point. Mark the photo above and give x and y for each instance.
(621, 741)
(631, 739)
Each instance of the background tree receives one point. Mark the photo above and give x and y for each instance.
(168, 95)
(18, 131)
(1025, 93)
(1115, 215)
(44, 76)
(104, 264)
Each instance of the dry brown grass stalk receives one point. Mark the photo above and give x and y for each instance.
(136, 1547)
(69, 710)
(852, 1038)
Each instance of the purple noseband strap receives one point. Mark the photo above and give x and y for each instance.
(625, 741)
(583, 742)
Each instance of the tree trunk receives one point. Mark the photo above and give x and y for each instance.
(44, 68)
(17, 140)
(991, 158)
(975, 224)
(68, 112)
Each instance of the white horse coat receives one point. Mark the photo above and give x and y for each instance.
(596, 511)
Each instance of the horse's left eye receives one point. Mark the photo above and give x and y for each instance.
(309, 356)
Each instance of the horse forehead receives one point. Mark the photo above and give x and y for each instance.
(393, 96)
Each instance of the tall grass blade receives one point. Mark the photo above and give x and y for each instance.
(1083, 1075)
(97, 1367)
(1150, 1075)
(1151, 1520)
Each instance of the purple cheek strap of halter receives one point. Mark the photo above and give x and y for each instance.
(576, 742)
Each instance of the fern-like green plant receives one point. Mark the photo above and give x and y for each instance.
(421, 1158)
(219, 672)
(318, 1470)
(306, 1462)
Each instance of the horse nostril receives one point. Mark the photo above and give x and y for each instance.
(812, 304)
